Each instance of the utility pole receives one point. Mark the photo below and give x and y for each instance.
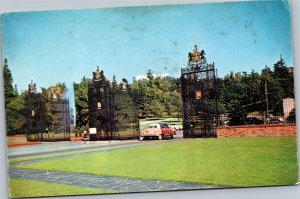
(266, 93)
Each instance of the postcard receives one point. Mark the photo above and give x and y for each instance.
(149, 98)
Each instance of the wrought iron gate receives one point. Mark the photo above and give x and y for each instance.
(127, 121)
(112, 109)
(101, 103)
(198, 90)
(38, 124)
(34, 113)
(59, 129)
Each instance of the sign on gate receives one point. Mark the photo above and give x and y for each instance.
(93, 130)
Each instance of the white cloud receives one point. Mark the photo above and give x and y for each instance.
(140, 77)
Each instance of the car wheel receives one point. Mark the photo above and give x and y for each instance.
(172, 136)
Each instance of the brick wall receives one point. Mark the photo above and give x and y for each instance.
(257, 130)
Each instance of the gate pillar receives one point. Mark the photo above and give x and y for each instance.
(34, 113)
(199, 101)
(101, 107)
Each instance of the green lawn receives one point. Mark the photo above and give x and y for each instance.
(236, 162)
(26, 188)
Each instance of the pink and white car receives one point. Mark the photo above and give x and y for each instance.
(157, 130)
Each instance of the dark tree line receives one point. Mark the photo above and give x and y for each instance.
(256, 92)
(157, 97)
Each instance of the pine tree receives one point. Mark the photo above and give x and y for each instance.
(9, 90)
(81, 103)
(14, 104)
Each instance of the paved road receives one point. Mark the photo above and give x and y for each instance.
(104, 150)
(113, 183)
(60, 147)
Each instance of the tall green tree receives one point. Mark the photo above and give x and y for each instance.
(81, 103)
(9, 91)
(14, 104)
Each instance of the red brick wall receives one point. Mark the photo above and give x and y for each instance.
(257, 130)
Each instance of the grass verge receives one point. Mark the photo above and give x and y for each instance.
(27, 188)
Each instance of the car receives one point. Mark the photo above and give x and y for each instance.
(241, 119)
(236, 119)
(175, 126)
(276, 120)
(157, 130)
(253, 120)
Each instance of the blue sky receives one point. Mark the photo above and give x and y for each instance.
(64, 46)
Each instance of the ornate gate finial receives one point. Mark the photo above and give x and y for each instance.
(54, 96)
(98, 74)
(31, 87)
(196, 56)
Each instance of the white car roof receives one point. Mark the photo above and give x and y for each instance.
(154, 124)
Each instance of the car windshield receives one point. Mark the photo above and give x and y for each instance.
(164, 126)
